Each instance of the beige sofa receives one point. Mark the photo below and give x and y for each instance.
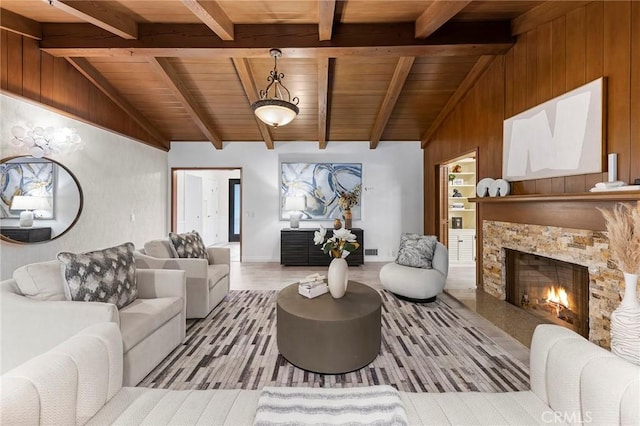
(79, 382)
(207, 281)
(36, 316)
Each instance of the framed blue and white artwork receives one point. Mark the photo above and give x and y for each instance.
(320, 184)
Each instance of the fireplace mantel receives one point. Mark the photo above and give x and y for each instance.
(579, 196)
(572, 210)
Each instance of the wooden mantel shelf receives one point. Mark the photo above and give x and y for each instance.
(579, 196)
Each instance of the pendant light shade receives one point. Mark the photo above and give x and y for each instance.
(275, 106)
(275, 112)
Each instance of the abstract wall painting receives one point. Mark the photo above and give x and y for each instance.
(321, 185)
(560, 137)
(26, 178)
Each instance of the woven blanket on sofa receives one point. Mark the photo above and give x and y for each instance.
(374, 405)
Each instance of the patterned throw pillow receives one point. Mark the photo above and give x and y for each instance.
(416, 250)
(188, 245)
(107, 275)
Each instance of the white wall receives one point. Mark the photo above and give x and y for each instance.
(119, 177)
(392, 201)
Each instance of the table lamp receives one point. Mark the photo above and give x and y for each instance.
(295, 205)
(28, 204)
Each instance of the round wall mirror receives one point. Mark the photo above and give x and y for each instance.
(40, 200)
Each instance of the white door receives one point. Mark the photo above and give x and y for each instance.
(193, 207)
(210, 219)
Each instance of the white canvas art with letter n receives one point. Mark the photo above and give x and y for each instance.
(560, 137)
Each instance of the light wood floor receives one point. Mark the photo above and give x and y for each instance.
(273, 276)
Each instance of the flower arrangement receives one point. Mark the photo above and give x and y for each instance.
(339, 245)
(623, 228)
(350, 199)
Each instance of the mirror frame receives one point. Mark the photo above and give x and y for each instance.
(80, 207)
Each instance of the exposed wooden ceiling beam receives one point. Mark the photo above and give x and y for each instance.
(436, 15)
(164, 70)
(246, 78)
(546, 12)
(403, 68)
(295, 41)
(326, 10)
(95, 12)
(20, 25)
(211, 13)
(474, 74)
(323, 100)
(100, 82)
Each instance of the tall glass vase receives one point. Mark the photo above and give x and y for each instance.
(625, 323)
(337, 277)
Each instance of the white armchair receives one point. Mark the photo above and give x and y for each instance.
(207, 281)
(152, 325)
(417, 284)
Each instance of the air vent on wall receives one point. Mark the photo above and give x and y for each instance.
(370, 252)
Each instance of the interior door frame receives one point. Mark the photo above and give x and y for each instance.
(233, 182)
(174, 194)
(442, 220)
(442, 188)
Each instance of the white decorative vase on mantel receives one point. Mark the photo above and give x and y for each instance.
(625, 323)
(337, 277)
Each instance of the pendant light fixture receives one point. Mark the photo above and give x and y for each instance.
(275, 106)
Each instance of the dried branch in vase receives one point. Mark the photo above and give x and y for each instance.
(623, 229)
(350, 199)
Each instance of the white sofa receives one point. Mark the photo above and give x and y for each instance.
(207, 281)
(79, 382)
(417, 284)
(36, 316)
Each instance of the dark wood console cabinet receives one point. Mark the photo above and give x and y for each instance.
(26, 235)
(297, 248)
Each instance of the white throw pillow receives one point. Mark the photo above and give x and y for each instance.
(159, 248)
(41, 281)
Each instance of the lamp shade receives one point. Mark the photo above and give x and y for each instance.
(27, 202)
(275, 112)
(295, 203)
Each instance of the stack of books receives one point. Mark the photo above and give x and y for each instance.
(312, 286)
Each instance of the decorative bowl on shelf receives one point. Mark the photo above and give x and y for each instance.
(482, 188)
(499, 188)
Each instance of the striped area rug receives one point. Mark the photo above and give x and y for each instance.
(425, 348)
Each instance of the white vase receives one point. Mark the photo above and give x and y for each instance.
(625, 323)
(630, 299)
(337, 277)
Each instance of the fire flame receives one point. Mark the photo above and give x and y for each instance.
(558, 296)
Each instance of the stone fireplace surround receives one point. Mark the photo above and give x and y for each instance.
(583, 247)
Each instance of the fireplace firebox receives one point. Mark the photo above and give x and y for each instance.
(553, 290)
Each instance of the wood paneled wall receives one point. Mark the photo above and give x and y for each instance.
(599, 39)
(30, 73)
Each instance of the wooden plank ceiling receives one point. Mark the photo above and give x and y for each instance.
(364, 70)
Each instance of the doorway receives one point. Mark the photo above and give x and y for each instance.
(208, 200)
(457, 215)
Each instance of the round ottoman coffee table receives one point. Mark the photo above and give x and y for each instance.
(327, 335)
